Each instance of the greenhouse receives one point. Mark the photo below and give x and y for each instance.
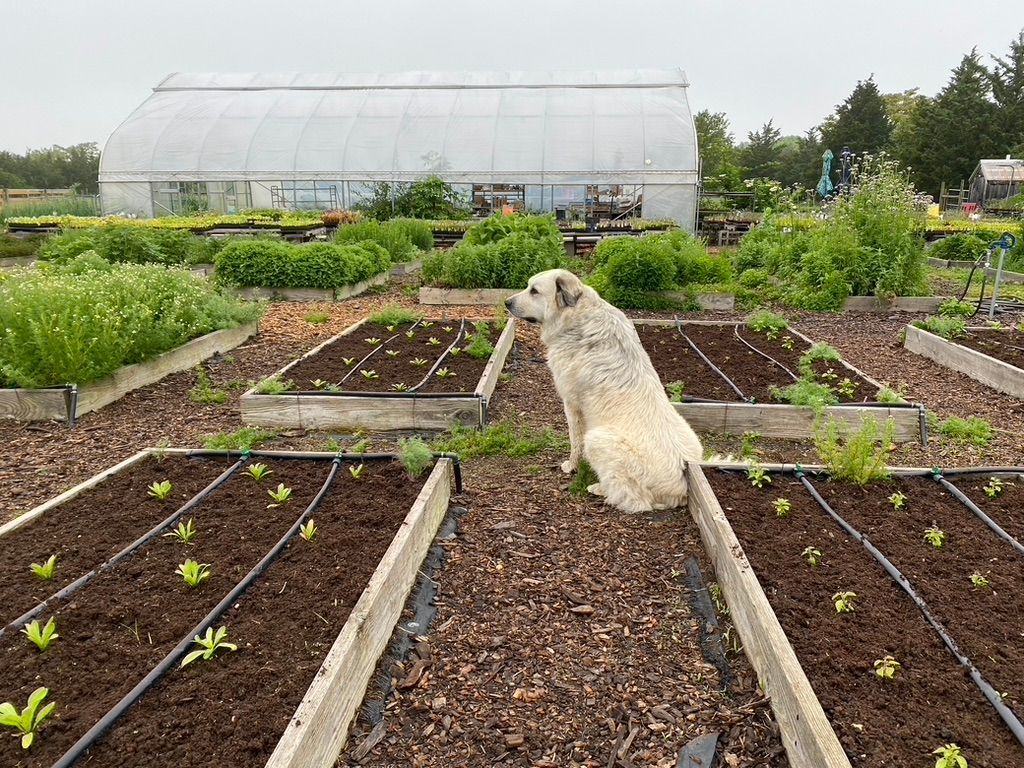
(596, 145)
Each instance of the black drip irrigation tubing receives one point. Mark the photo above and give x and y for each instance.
(144, 539)
(437, 364)
(992, 524)
(712, 366)
(986, 689)
(765, 355)
(93, 734)
(373, 352)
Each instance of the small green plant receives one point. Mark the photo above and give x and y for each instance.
(480, 348)
(817, 354)
(320, 384)
(675, 391)
(361, 447)
(758, 476)
(455, 351)
(843, 601)
(410, 334)
(259, 471)
(184, 532)
(28, 721)
(973, 430)
(373, 341)
(946, 327)
(395, 315)
(204, 392)
(956, 308)
(887, 668)
(763, 321)
(400, 387)
(390, 328)
(211, 642)
(994, 488)
(415, 455)
(584, 478)
(847, 388)
(748, 446)
(950, 756)
(445, 373)
(782, 507)
(272, 385)
(317, 318)
(447, 328)
(348, 361)
(812, 555)
(160, 491)
(392, 352)
(41, 634)
(898, 500)
(419, 362)
(368, 375)
(806, 393)
(434, 341)
(889, 396)
(244, 439)
(935, 536)
(194, 573)
(427, 324)
(978, 581)
(787, 343)
(504, 438)
(46, 570)
(356, 472)
(308, 530)
(859, 457)
(280, 495)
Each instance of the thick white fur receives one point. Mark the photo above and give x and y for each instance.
(619, 417)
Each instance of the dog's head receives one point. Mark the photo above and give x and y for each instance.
(547, 296)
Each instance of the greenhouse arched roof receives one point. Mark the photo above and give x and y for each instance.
(548, 128)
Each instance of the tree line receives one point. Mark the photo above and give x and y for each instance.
(979, 113)
(75, 167)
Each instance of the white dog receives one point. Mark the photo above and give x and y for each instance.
(620, 418)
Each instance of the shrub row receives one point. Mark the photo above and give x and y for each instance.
(399, 237)
(276, 264)
(130, 245)
(82, 320)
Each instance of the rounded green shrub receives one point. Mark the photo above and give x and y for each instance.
(642, 268)
(965, 247)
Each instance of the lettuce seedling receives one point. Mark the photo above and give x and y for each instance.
(373, 341)
(280, 495)
(369, 374)
(193, 573)
(935, 536)
(160, 491)
(27, 722)
(844, 601)
(41, 634)
(211, 643)
(47, 569)
(308, 530)
(950, 756)
(980, 582)
(444, 373)
(392, 352)
(259, 471)
(782, 507)
(434, 341)
(994, 487)
(410, 334)
(184, 533)
(419, 362)
(356, 472)
(348, 361)
(758, 476)
(898, 500)
(400, 387)
(812, 555)
(887, 668)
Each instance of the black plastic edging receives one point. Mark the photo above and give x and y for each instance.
(992, 524)
(144, 539)
(715, 368)
(99, 728)
(986, 689)
(765, 355)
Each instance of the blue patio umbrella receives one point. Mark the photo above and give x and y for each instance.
(825, 187)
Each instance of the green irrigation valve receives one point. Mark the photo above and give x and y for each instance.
(798, 470)
(936, 473)
(246, 454)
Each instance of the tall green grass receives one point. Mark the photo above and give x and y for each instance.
(61, 206)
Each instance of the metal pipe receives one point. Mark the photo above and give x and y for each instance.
(105, 722)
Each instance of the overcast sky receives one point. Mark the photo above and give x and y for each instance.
(74, 69)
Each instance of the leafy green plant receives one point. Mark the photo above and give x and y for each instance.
(972, 430)
(410, 334)
(889, 396)
(675, 391)
(357, 472)
(369, 374)
(317, 318)
(348, 361)
(45, 570)
(319, 384)
(455, 351)
(395, 315)
(887, 667)
(898, 500)
(392, 352)
(978, 581)
(758, 475)
(161, 491)
(480, 347)
(812, 555)
(273, 385)
(204, 392)
(445, 373)
(419, 362)
(434, 341)
(415, 455)
(748, 444)
(935, 536)
(400, 387)
(193, 573)
(859, 457)
(308, 530)
(844, 601)
(184, 532)
(805, 393)
(28, 721)
(782, 507)
(361, 447)
(956, 308)
(373, 341)
(41, 635)
(211, 642)
(244, 439)
(950, 756)
(281, 494)
(946, 327)
(816, 354)
(764, 320)
(846, 388)
(268, 263)
(788, 343)
(994, 488)
(504, 438)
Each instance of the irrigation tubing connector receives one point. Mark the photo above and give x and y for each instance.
(100, 727)
(712, 366)
(765, 355)
(986, 689)
(144, 539)
(992, 524)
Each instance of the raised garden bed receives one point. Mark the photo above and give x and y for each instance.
(993, 357)
(819, 665)
(309, 617)
(310, 294)
(408, 377)
(738, 396)
(70, 402)
(492, 296)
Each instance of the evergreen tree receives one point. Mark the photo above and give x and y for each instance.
(1008, 91)
(800, 159)
(719, 171)
(861, 122)
(761, 155)
(904, 110)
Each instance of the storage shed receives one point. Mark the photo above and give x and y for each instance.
(598, 145)
(995, 180)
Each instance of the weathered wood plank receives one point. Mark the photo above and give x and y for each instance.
(35, 404)
(806, 733)
(712, 302)
(1006, 276)
(1000, 376)
(318, 730)
(489, 378)
(348, 291)
(308, 411)
(898, 304)
(407, 268)
(791, 421)
(32, 514)
(309, 294)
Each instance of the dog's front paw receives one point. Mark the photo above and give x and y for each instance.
(568, 467)
(595, 489)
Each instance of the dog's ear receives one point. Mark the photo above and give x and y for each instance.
(567, 291)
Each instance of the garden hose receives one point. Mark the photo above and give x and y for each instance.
(978, 512)
(712, 366)
(986, 689)
(144, 539)
(100, 727)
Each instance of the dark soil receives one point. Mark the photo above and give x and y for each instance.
(754, 375)
(896, 722)
(93, 526)
(1006, 344)
(1005, 509)
(985, 622)
(329, 364)
(674, 361)
(284, 627)
(117, 627)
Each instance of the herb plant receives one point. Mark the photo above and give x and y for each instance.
(887, 668)
(898, 500)
(348, 361)
(812, 555)
(211, 642)
(480, 348)
(675, 391)
(434, 341)
(373, 341)
(400, 387)
(184, 532)
(994, 488)
(193, 573)
(369, 375)
(273, 386)
(259, 471)
(281, 494)
(46, 570)
(392, 352)
(308, 530)
(160, 491)
(950, 756)
(844, 601)
(858, 457)
(27, 721)
(758, 476)
(41, 634)
(415, 455)
(356, 472)
(782, 507)
(445, 373)
(935, 536)
(979, 581)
